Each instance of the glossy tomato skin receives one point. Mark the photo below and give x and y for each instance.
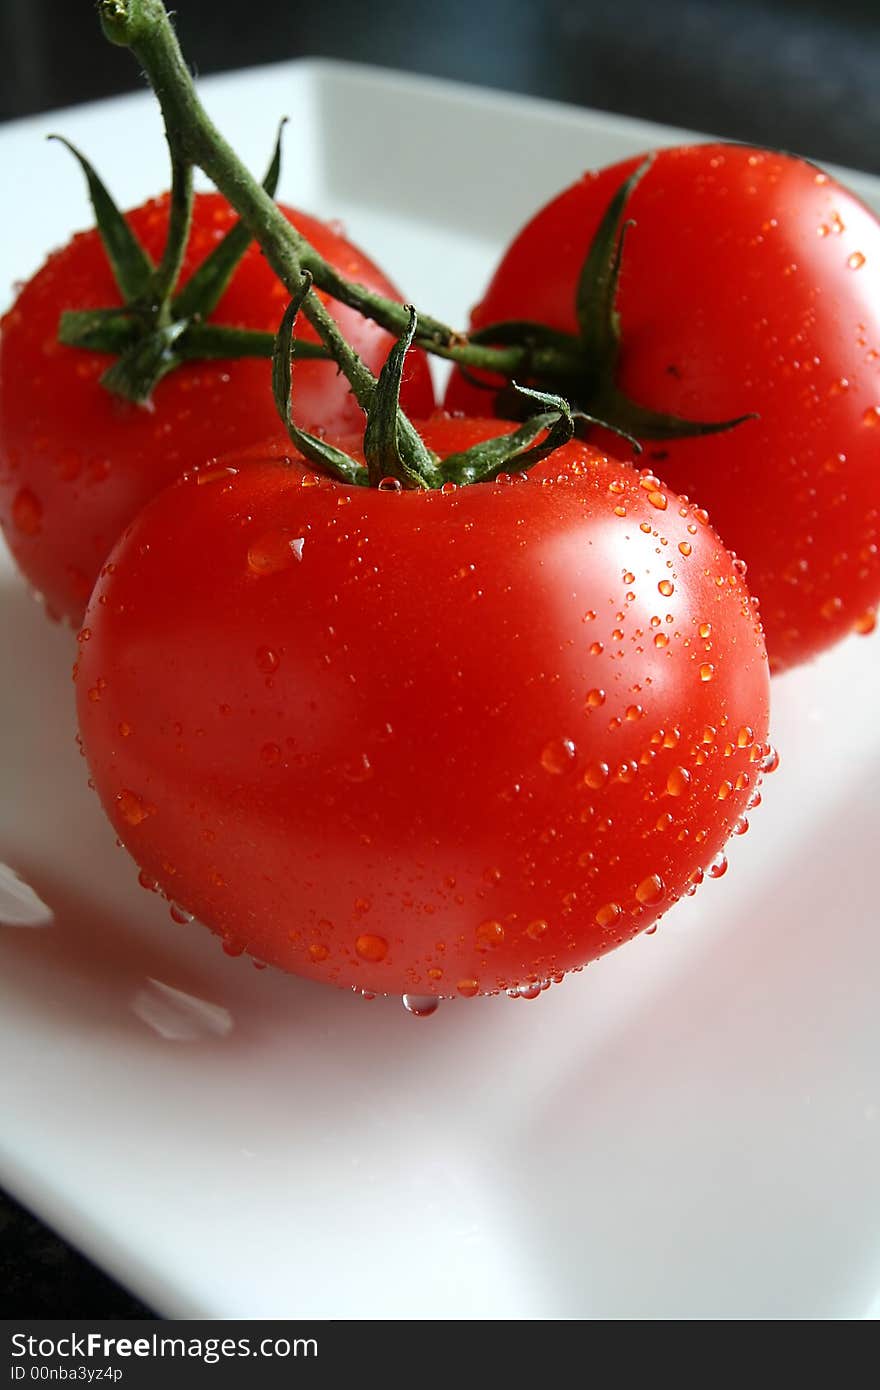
(444, 743)
(77, 464)
(750, 283)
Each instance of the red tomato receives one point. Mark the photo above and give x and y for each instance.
(427, 742)
(77, 464)
(750, 282)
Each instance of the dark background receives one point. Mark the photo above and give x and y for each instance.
(801, 75)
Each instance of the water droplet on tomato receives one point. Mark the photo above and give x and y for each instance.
(707, 671)
(866, 622)
(390, 485)
(372, 948)
(468, 988)
(596, 775)
(527, 991)
(678, 781)
(856, 260)
(267, 659)
(558, 755)
(651, 889)
(132, 807)
(535, 930)
(179, 914)
(718, 866)
(318, 951)
(771, 761)
(595, 698)
(420, 1005)
(489, 934)
(275, 551)
(27, 512)
(608, 914)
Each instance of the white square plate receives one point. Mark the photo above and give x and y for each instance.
(689, 1129)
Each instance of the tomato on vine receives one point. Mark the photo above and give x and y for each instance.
(78, 460)
(747, 284)
(440, 740)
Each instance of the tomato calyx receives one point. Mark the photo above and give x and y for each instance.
(584, 365)
(394, 451)
(156, 329)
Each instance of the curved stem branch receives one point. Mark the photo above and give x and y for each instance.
(144, 27)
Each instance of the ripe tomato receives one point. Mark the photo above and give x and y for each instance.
(77, 464)
(444, 742)
(750, 283)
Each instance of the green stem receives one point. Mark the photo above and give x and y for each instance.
(144, 27)
(179, 217)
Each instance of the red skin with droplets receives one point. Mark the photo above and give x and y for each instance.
(750, 283)
(77, 464)
(424, 742)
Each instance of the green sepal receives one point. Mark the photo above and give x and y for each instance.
(132, 268)
(99, 330)
(517, 451)
(203, 291)
(522, 333)
(616, 412)
(382, 438)
(596, 294)
(115, 330)
(134, 375)
(325, 456)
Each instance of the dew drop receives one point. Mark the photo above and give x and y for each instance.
(651, 889)
(372, 948)
(421, 1005)
(179, 914)
(527, 991)
(558, 755)
(856, 260)
(718, 866)
(468, 988)
(595, 698)
(390, 485)
(866, 622)
(27, 512)
(267, 659)
(132, 807)
(771, 762)
(318, 951)
(489, 934)
(666, 587)
(535, 930)
(608, 914)
(707, 671)
(678, 781)
(596, 775)
(275, 551)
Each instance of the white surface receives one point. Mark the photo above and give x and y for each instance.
(689, 1129)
